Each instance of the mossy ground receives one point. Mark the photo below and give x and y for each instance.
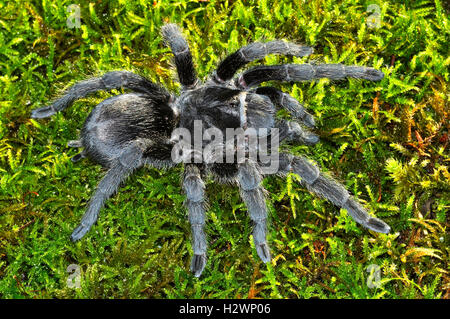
(386, 141)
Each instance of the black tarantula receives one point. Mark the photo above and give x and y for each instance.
(127, 131)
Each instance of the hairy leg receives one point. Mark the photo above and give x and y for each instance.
(195, 203)
(252, 193)
(129, 160)
(183, 58)
(255, 51)
(292, 131)
(79, 156)
(286, 101)
(109, 81)
(305, 72)
(326, 187)
(75, 143)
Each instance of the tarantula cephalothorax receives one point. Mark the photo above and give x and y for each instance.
(130, 130)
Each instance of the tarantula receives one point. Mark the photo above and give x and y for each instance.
(128, 131)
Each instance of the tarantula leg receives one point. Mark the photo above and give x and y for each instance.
(183, 58)
(286, 101)
(252, 193)
(129, 160)
(75, 143)
(326, 187)
(292, 131)
(305, 72)
(109, 81)
(78, 157)
(194, 188)
(255, 51)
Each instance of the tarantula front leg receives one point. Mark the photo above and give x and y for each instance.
(305, 72)
(109, 81)
(129, 160)
(286, 101)
(195, 203)
(252, 193)
(255, 51)
(183, 58)
(326, 187)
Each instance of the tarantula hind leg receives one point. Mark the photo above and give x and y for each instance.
(252, 193)
(129, 160)
(195, 203)
(326, 187)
